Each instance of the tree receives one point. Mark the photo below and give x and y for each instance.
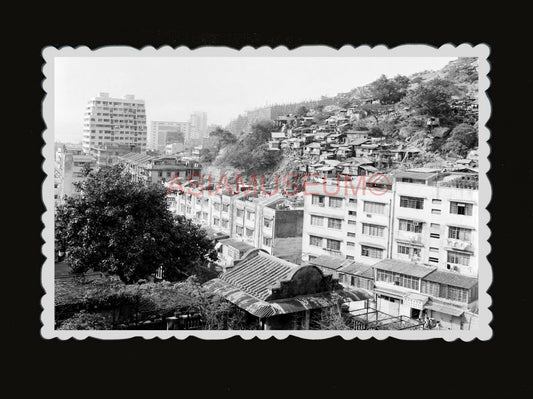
(207, 155)
(463, 138)
(224, 138)
(389, 91)
(302, 111)
(431, 98)
(124, 228)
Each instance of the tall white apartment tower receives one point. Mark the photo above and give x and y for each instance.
(197, 125)
(114, 120)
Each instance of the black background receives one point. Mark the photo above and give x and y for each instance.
(369, 368)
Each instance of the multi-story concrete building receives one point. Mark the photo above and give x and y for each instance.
(436, 219)
(70, 165)
(110, 153)
(271, 223)
(114, 120)
(346, 219)
(424, 216)
(197, 126)
(159, 169)
(163, 133)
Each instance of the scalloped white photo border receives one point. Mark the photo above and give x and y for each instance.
(481, 51)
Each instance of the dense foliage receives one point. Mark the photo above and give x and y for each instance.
(124, 228)
(251, 154)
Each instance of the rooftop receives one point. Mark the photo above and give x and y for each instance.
(453, 279)
(255, 276)
(402, 267)
(240, 245)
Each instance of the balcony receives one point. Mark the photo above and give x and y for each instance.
(333, 252)
(415, 238)
(459, 244)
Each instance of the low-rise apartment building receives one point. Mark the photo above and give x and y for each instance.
(159, 169)
(425, 292)
(271, 223)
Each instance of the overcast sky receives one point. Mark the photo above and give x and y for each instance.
(223, 87)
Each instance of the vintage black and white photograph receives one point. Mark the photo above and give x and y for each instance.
(265, 192)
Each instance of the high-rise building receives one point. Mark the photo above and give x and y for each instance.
(114, 120)
(163, 133)
(197, 126)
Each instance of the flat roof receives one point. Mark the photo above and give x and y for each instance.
(403, 267)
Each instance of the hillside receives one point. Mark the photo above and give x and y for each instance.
(432, 111)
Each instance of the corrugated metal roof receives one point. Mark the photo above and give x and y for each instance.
(402, 267)
(330, 262)
(263, 309)
(453, 279)
(257, 275)
(358, 269)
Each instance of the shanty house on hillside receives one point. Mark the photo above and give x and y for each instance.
(279, 294)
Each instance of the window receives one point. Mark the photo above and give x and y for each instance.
(317, 200)
(267, 223)
(350, 234)
(403, 250)
(436, 201)
(410, 225)
(216, 221)
(240, 213)
(352, 201)
(315, 241)
(267, 241)
(371, 252)
(249, 233)
(225, 207)
(374, 207)
(373, 230)
(334, 223)
(352, 213)
(433, 249)
(352, 222)
(435, 211)
(352, 280)
(350, 244)
(239, 230)
(225, 223)
(434, 235)
(333, 245)
(317, 220)
(250, 215)
(411, 202)
(335, 202)
(458, 258)
(459, 233)
(350, 257)
(461, 208)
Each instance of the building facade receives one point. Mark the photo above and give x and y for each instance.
(197, 126)
(159, 169)
(114, 120)
(423, 216)
(69, 169)
(163, 133)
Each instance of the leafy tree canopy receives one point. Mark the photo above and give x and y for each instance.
(389, 91)
(124, 228)
(431, 98)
